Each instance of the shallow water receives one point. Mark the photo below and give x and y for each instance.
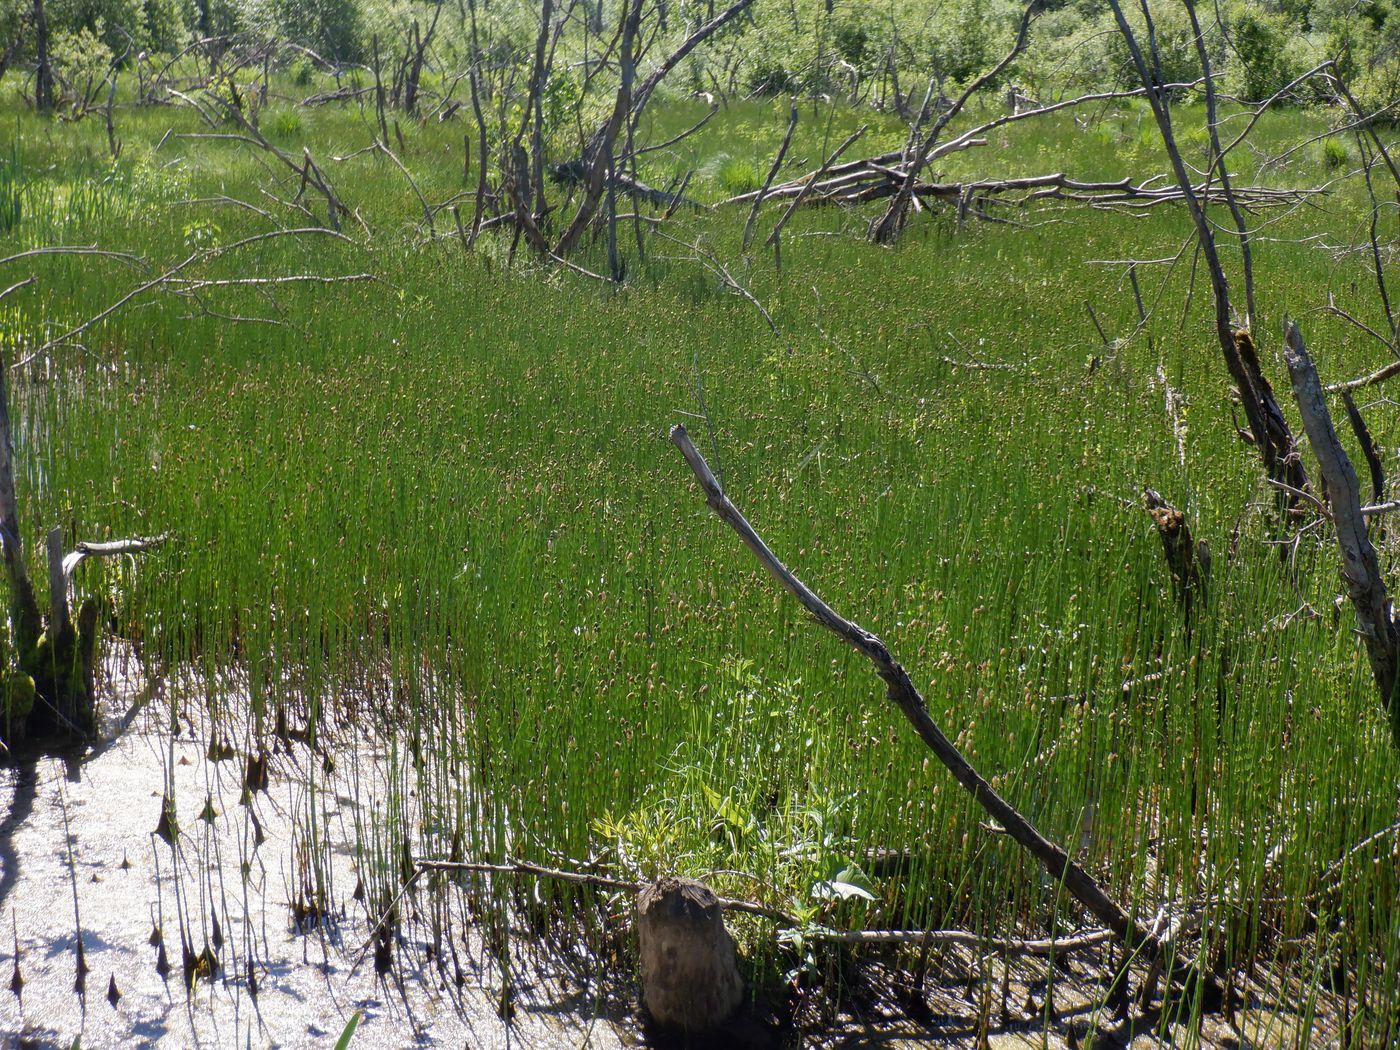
(111, 881)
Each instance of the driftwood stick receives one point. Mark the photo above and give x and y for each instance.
(962, 938)
(1360, 565)
(109, 549)
(902, 691)
(965, 938)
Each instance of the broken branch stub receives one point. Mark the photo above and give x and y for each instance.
(1188, 562)
(903, 693)
(1375, 618)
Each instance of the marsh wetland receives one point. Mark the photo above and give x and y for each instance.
(430, 653)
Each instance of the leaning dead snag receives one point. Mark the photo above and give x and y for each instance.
(902, 691)
(1375, 616)
(1267, 426)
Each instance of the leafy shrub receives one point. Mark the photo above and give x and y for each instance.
(1263, 61)
(148, 25)
(1378, 90)
(80, 58)
(331, 28)
(769, 77)
(963, 43)
(851, 41)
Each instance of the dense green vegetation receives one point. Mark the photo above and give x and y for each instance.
(440, 503)
(878, 51)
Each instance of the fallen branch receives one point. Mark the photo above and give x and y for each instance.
(903, 693)
(583, 878)
(932, 938)
(168, 278)
(189, 284)
(16, 287)
(1378, 376)
(109, 549)
(1011, 945)
(896, 159)
(876, 181)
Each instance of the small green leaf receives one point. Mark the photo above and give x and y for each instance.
(845, 882)
(349, 1032)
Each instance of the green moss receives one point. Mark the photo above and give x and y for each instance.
(17, 696)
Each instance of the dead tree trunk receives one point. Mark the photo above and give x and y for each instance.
(25, 625)
(1375, 615)
(43, 69)
(690, 974)
(603, 157)
(48, 691)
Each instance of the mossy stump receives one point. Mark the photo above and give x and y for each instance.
(690, 971)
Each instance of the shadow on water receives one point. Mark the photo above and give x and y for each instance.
(24, 776)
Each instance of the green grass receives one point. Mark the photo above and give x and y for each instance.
(444, 500)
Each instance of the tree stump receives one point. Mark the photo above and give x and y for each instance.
(690, 973)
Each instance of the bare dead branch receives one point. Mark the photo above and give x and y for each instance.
(186, 284)
(1378, 376)
(887, 229)
(1368, 448)
(74, 249)
(166, 278)
(1042, 948)
(806, 187)
(903, 693)
(689, 44)
(772, 173)
(16, 287)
